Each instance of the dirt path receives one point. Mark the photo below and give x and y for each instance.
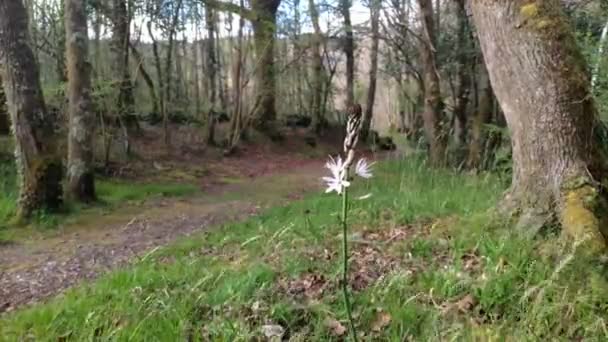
(34, 270)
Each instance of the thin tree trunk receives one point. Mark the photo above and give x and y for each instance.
(179, 92)
(97, 22)
(195, 66)
(61, 69)
(81, 179)
(433, 104)
(159, 73)
(481, 117)
(464, 79)
(551, 115)
(298, 72)
(4, 121)
(264, 28)
(375, 7)
(221, 75)
(167, 73)
(120, 47)
(317, 69)
(349, 51)
(37, 154)
(147, 78)
(236, 121)
(211, 74)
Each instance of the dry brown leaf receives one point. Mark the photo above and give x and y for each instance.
(463, 305)
(336, 328)
(383, 319)
(466, 303)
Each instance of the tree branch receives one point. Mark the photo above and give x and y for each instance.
(233, 8)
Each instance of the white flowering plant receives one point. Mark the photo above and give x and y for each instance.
(339, 182)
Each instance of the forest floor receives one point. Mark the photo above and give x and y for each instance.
(35, 264)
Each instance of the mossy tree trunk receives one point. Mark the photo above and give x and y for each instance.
(433, 104)
(541, 81)
(37, 158)
(80, 173)
(264, 28)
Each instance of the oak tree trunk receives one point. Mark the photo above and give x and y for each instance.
(541, 81)
(433, 104)
(80, 173)
(37, 159)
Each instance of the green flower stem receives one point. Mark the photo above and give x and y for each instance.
(345, 262)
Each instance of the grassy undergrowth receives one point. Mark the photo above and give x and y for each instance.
(428, 263)
(110, 193)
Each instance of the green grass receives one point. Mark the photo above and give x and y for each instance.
(110, 193)
(115, 192)
(225, 284)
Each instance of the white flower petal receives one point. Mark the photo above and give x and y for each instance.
(363, 169)
(364, 197)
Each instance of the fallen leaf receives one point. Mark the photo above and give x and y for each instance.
(383, 319)
(336, 328)
(467, 303)
(463, 305)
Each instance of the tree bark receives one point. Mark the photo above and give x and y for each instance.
(264, 27)
(167, 72)
(147, 78)
(120, 48)
(81, 180)
(37, 155)
(317, 69)
(540, 79)
(159, 73)
(433, 104)
(211, 74)
(195, 65)
(4, 121)
(349, 51)
(375, 7)
(464, 72)
(481, 117)
(236, 120)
